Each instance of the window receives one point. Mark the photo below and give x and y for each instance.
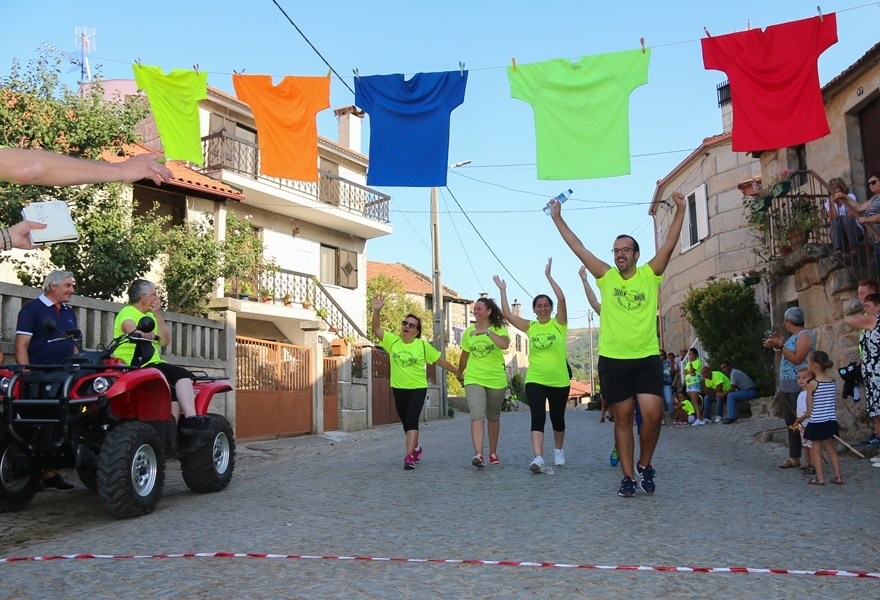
(338, 267)
(518, 343)
(696, 218)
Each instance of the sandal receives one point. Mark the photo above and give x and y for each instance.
(790, 463)
(816, 481)
(837, 480)
(602, 420)
(810, 470)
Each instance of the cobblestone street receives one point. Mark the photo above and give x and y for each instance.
(721, 501)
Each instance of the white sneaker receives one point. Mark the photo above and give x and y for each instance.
(875, 459)
(718, 419)
(537, 465)
(876, 464)
(559, 457)
(477, 461)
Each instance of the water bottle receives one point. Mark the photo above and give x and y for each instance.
(560, 198)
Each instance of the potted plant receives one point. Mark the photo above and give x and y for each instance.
(287, 299)
(322, 312)
(752, 277)
(266, 294)
(245, 290)
(307, 302)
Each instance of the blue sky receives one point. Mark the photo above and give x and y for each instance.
(673, 112)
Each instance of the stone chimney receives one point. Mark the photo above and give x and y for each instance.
(350, 124)
(516, 307)
(726, 106)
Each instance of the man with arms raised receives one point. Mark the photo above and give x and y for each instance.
(629, 351)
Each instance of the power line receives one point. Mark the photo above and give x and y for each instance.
(321, 56)
(472, 166)
(460, 243)
(480, 235)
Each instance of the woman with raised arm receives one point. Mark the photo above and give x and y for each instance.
(408, 354)
(481, 370)
(547, 378)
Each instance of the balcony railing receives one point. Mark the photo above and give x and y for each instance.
(798, 214)
(227, 152)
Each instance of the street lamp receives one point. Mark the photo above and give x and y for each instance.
(437, 300)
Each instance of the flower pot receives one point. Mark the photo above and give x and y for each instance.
(288, 303)
(781, 188)
(267, 299)
(751, 281)
(243, 297)
(784, 250)
(306, 305)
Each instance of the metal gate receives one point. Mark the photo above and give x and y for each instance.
(273, 388)
(384, 411)
(331, 393)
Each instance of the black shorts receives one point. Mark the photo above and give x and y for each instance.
(623, 378)
(172, 374)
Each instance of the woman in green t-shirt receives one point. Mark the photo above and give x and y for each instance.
(481, 369)
(694, 382)
(547, 378)
(408, 354)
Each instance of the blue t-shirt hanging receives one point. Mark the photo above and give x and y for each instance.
(409, 125)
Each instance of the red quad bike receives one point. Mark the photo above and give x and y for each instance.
(110, 422)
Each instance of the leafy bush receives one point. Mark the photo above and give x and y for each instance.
(731, 327)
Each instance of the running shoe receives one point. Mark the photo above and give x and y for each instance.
(493, 459)
(409, 463)
(718, 419)
(871, 441)
(417, 455)
(627, 488)
(646, 479)
(477, 461)
(537, 465)
(559, 457)
(615, 458)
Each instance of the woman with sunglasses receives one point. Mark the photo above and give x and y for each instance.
(871, 210)
(481, 370)
(408, 354)
(548, 377)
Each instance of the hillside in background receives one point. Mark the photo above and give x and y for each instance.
(579, 352)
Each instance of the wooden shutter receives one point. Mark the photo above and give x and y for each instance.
(348, 268)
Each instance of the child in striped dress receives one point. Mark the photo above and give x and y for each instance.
(821, 395)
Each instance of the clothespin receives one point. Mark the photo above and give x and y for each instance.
(821, 18)
(513, 60)
(461, 68)
(196, 67)
(329, 72)
(748, 24)
(642, 41)
(357, 73)
(707, 32)
(238, 72)
(138, 61)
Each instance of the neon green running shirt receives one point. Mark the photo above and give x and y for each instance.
(547, 354)
(485, 364)
(629, 314)
(174, 100)
(408, 361)
(581, 111)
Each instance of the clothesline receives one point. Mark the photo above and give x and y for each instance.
(352, 77)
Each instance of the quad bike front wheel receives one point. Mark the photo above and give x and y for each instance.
(209, 469)
(17, 488)
(131, 470)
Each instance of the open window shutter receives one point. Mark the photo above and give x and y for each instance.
(702, 204)
(685, 235)
(348, 268)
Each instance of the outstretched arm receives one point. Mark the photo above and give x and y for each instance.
(597, 267)
(588, 290)
(378, 303)
(664, 252)
(561, 310)
(442, 362)
(38, 167)
(515, 320)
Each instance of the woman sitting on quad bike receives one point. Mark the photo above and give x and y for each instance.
(143, 302)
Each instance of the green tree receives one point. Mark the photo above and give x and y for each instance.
(37, 111)
(397, 306)
(453, 385)
(731, 327)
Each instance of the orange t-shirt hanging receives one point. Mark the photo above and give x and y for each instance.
(285, 116)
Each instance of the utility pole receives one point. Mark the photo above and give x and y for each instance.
(437, 300)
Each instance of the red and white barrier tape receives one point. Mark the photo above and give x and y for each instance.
(505, 563)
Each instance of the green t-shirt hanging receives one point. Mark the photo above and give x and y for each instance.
(629, 314)
(581, 111)
(174, 100)
(408, 361)
(485, 364)
(547, 364)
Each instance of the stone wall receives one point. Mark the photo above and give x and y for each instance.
(816, 281)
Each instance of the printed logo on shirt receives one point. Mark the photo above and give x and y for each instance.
(404, 358)
(482, 347)
(628, 300)
(542, 341)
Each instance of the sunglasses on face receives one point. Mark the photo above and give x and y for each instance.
(872, 181)
(409, 324)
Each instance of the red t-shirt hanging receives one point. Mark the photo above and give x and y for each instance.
(774, 81)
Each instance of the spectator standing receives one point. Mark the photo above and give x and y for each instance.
(792, 354)
(821, 395)
(869, 350)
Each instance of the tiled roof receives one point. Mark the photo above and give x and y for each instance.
(712, 140)
(864, 60)
(413, 281)
(184, 177)
(579, 389)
